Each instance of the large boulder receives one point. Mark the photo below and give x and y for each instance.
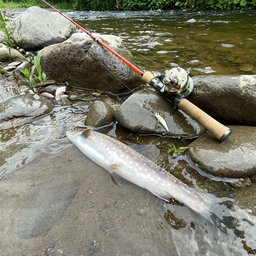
(229, 99)
(235, 158)
(137, 114)
(36, 28)
(83, 62)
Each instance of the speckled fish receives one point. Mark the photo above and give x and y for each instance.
(123, 162)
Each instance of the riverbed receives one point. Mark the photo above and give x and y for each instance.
(64, 204)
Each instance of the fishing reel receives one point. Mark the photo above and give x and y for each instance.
(176, 81)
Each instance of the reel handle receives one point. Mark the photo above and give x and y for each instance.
(220, 131)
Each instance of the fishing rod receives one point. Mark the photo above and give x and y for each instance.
(174, 86)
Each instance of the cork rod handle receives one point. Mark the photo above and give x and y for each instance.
(220, 131)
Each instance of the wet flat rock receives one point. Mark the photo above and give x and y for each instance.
(21, 109)
(137, 115)
(234, 159)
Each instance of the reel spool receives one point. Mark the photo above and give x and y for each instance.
(177, 81)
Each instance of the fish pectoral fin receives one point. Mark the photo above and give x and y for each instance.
(114, 176)
(165, 198)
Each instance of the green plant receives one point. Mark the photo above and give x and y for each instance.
(8, 33)
(2, 71)
(41, 77)
(175, 150)
(33, 78)
(28, 77)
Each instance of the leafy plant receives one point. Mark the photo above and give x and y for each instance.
(33, 78)
(2, 71)
(41, 77)
(8, 33)
(175, 150)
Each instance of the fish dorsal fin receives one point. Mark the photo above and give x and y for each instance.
(87, 133)
(113, 171)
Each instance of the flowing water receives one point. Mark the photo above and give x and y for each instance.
(212, 42)
(127, 220)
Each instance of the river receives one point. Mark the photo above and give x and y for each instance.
(75, 209)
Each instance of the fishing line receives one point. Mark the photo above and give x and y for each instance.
(146, 58)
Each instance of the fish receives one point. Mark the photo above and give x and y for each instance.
(161, 121)
(123, 162)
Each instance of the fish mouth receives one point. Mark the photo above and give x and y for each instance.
(74, 132)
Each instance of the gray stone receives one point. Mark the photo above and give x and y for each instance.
(100, 114)
(2, 36)
(229, 99)
(136, 114)
(36, 28)
(13, 55)
(235, 158)
(83, 62)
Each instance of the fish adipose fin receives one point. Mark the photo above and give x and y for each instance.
(87, 133)
(114, 176)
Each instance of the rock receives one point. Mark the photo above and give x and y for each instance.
(83, 62)
(191, 21)
(244, 212)
(9, 88)
(246, 67)
(2, 36)
(4, 54)
(36, 28)
(236, 158)
(136, 114)
(25, 64)
(100, 114)
(229, 99)
(23, 108)
(22, 145)
(245, 198)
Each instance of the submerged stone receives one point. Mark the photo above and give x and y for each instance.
(22, 145)
(9, 88)
(22, 107)
(137, 114)
(236, 158)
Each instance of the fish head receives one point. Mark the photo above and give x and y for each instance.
(73, 133)
(77, 131)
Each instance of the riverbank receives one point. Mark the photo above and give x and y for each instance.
(55, 201)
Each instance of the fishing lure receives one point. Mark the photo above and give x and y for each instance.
(161, 121)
